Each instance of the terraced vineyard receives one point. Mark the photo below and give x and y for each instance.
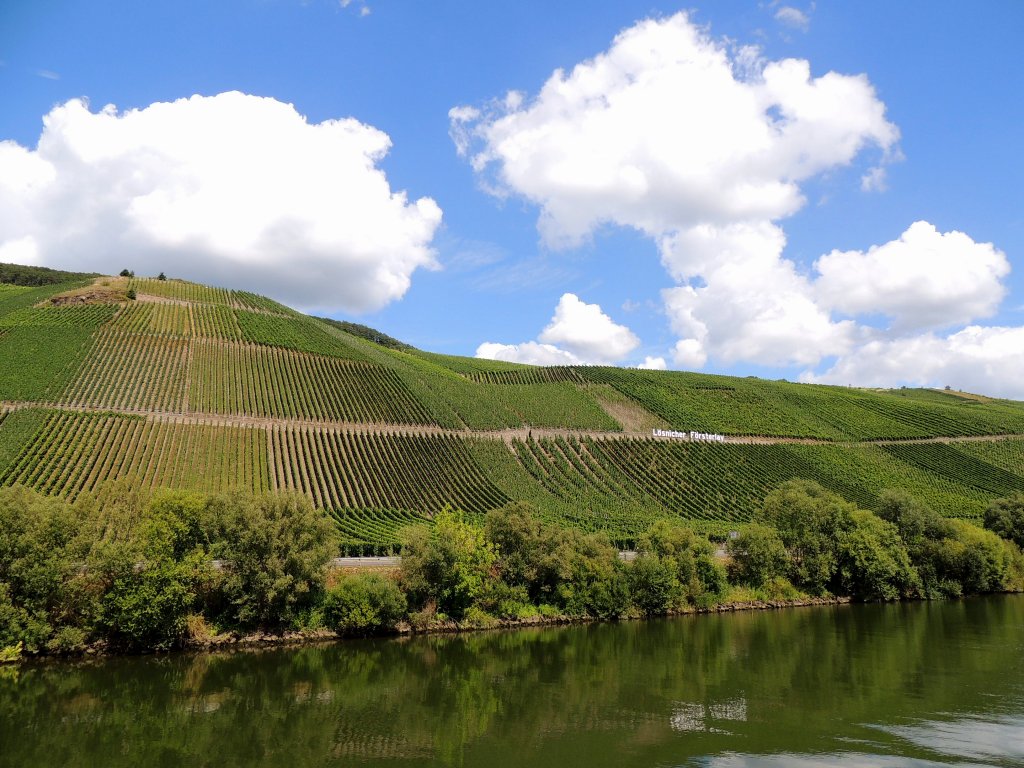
(198, 387)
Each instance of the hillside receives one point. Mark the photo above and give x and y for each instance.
(190, 386)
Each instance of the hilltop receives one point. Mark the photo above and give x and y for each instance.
(192, 386)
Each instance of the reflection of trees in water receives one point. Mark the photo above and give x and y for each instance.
(661, 690)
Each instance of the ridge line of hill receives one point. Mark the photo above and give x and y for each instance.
(507, 435)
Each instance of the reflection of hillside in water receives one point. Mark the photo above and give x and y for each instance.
(912, 680)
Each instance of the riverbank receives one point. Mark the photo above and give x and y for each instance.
(229, 641)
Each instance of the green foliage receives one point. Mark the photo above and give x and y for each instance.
(873, 562)
(1005, 518)
(448, 564)
(808, 519)
(303, 334)
(366, 332)
(758, 556)
(145, 608)
(38, 361)
(596, 585)
(578, 574)
(364, 603)
(16, 430)
(277, 546)
(952, 557)
(695, 576)
(19, 274)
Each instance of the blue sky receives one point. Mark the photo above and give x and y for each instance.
(944, 80)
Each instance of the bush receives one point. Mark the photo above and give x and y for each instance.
(130, 294)
(147, 608)
(954, 557)
(364, 604)
(595, 583)
(695, 575)
(448, 564)
(1005, 518)
(277, 546)
(758, 556)
(808, 519)
(653, 587)
(873, 563)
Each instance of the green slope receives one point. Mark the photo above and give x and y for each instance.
(193, 386)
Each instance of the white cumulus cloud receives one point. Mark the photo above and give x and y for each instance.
(653, 364)
(232, 189)
(987, 360)
(529, 352)
(703, 148)
(925, 279)
(793, 17)
(578, 333)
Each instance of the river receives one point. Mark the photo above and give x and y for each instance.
(915, 684)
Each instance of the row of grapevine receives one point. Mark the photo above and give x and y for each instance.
(17, 297)
(277, 383)
(86, 316)
(302, 334)
(734, 406)
(214, 321)
(157, 317)
(38, 363)
(132, 371)
(179, 290)
(376, 531)
(1007, 454)
(74, 452)
(344, 470)
(539, 375)
(948, 462)
(194, 293)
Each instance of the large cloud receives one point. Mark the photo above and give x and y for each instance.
(231, 189)
(701, 147)
(925, 279)
(988, 360)
(578, 333)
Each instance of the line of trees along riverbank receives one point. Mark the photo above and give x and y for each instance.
(117, 571)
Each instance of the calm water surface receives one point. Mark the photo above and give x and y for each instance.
(917, 684)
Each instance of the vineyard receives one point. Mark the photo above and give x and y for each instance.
(205, 388)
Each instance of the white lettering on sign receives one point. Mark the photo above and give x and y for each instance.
(705, 437)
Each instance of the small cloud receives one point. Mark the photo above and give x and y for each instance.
(793, 17)
(653, 364)
(578, 333)
(364, 9)
(874, 180)
(47, 74)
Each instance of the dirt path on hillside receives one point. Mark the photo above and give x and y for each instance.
(507, 435)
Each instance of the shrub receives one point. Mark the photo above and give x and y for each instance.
(758, 556)
(699, 578)
(808, 519)
(653, 586)
(278, 547)
(448, 564)
(873, 563)
(147, 607)
(1005, 518)
(363, 604)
